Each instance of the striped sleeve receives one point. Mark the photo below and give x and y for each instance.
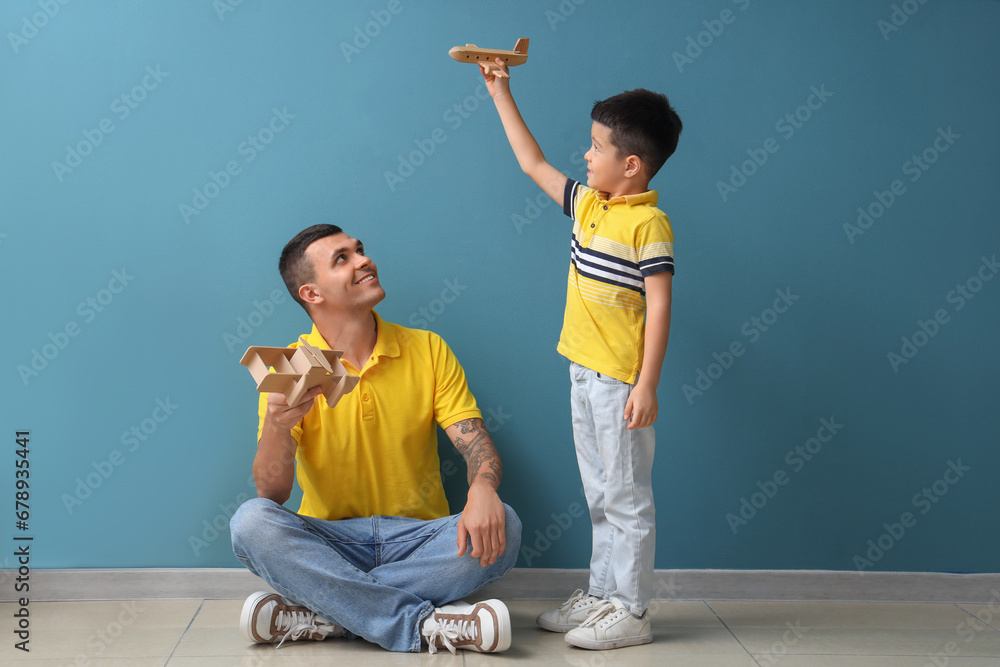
(655, 245)
(571, 195)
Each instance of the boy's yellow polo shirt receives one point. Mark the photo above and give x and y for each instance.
(375, 453)
(616, 243)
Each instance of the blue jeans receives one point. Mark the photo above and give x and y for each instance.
(379, 577)
(616, 466)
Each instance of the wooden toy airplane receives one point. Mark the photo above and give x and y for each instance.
(298, 370)
(470, 53)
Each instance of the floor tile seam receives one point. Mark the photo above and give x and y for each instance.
(731, 633)
(973, 615)
(184, 634)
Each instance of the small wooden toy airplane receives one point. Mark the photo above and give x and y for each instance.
(470, 53)
(298, 370)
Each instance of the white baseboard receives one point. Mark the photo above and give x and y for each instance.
(536, 583)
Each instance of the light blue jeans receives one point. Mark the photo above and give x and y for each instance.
(378, 576)
(616, 465)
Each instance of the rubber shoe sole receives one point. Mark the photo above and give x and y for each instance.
(246, 618)
(606, 644)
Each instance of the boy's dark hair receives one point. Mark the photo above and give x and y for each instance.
(643, 124)
(294, 268)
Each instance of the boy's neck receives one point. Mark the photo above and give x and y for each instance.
(629, 189)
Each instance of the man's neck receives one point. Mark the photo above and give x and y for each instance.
(354, 335)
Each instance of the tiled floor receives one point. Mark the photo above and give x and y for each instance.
(196, 633)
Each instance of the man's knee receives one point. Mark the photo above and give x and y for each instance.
(512, 535)
(251, 518)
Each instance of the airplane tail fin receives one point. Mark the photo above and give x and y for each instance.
(521, 46)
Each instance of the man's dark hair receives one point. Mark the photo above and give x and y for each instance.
(643, 124)
(295, 270)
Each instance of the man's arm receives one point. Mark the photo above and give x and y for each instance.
(641, 407)
(526, 149)
(483, 519)
(274, 464)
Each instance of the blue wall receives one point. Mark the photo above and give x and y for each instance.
(137, 270)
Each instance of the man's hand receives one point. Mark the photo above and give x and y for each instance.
(483, 518)
(482, 522)
(640, 408)
(285, 416)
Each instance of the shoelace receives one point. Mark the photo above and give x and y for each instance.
(604, 608)
(447, 632)
(298, 623)
(578, 596)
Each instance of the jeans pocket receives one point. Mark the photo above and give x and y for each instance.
(607, 379)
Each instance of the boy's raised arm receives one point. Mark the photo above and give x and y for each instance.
(526, 149)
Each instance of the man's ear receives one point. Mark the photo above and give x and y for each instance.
(633, 166)
(309, 293)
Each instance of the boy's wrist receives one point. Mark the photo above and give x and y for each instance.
(645, 381)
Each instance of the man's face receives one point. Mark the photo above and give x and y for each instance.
(605, 172)
(344, 278)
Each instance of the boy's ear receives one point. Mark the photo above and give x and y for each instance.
(633, 166)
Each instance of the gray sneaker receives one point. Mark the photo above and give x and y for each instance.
(610, 625)
(572, 613)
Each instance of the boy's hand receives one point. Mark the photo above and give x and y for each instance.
(640, 409)
(496, 84)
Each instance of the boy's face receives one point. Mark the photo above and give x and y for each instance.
(605, 171)
(344, 277)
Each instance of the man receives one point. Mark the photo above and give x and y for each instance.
(372, 552)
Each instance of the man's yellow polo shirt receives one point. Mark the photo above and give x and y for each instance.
(375, 453)
(616, 243)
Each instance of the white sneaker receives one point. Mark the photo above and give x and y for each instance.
(570, 615)
(610, 625)
(483, 627)
(268, 618)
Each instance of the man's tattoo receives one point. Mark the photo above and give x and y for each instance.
(481, 457)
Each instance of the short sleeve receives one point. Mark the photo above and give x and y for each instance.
(655, 245)
(571, 197)
(453, 402)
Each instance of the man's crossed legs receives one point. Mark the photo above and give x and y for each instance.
(379, 578)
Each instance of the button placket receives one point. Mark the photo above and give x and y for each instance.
(367, 402)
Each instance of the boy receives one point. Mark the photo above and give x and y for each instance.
(621, 270)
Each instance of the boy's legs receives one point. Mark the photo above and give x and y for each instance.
(615, 465)
(379, 577)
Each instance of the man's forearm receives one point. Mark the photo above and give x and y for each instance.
(475, 445)
(274, 464)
